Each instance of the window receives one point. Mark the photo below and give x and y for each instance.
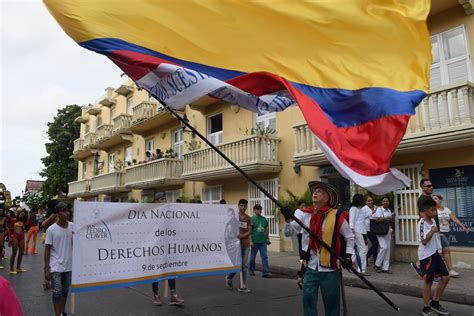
(257, 197)
(211, 194)
(451, 61)
(178, 142)
(130, 106)
(128, 156)
(113, 113)
(98, 122)
(171, 196)
(265, 120)
(84, 170)
(111, 162)
(150, 145)
(214, 125)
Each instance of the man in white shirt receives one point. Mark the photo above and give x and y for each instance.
(330, 225)
(58, 258)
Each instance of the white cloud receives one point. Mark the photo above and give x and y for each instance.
(43, 70)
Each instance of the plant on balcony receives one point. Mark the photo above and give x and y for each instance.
(261, 130)
(169, 153)
(118, 166)
(193, 144)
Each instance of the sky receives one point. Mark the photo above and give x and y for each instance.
(42, 70)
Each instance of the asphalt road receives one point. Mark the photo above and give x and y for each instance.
(204, 296)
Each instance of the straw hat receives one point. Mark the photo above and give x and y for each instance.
(333, 201)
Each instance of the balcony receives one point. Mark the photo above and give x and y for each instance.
(444, 119)
(111, 135)
(93, 110)
(103, 131)
(80, 152)
(307, 151)
(162, 173)
(108, 183)
(78, 145)
(79, 188)
(254, 154)
(124, 90)
(82, 119)
(121, 123)
(108, 100)
(89, 140)
(147, 116)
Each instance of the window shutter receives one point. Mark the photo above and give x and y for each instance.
(457, 71)
(435, 77)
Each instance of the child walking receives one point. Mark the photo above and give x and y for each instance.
(431, 263)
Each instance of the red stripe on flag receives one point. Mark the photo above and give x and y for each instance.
(136, 65)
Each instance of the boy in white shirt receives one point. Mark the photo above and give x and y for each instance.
(431, 263)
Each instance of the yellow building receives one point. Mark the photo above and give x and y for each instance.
(121, 127)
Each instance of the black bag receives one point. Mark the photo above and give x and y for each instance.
(379, 228)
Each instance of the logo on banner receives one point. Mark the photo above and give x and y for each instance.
(98, 231)
(457, 178)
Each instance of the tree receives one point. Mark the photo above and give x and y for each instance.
(59, 168)
(34, 199)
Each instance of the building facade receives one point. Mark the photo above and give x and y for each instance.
(278, 150)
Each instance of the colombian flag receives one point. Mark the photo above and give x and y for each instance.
(357, 69)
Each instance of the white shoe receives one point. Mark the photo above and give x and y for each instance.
(453, 274)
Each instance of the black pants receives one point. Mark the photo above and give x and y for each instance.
(374, 246)
(171, 282)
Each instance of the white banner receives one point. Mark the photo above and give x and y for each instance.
(124, 244)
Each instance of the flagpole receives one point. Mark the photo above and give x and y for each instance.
(311, 233)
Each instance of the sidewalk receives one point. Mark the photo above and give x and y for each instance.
(402, 281)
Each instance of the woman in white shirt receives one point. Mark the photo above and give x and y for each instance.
(382, 214)
(445, 215)
(358, 216)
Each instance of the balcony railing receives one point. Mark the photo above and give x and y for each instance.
(89, 139)
(161, 171)
(78, 145)
(446, 112)
(79, 188)
(143, 111)
(121, 123)
(104, 131)
(108, 183)
(254, 153)
(443, 109)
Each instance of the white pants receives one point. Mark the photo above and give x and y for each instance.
(383, 257)
(361, 246)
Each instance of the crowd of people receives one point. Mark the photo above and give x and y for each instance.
(18, 228)
(361, 235)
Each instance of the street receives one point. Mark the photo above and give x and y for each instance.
(203, 296)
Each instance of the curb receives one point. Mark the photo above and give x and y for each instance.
(384, 286)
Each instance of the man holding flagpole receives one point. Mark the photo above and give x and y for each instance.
(330, 225)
